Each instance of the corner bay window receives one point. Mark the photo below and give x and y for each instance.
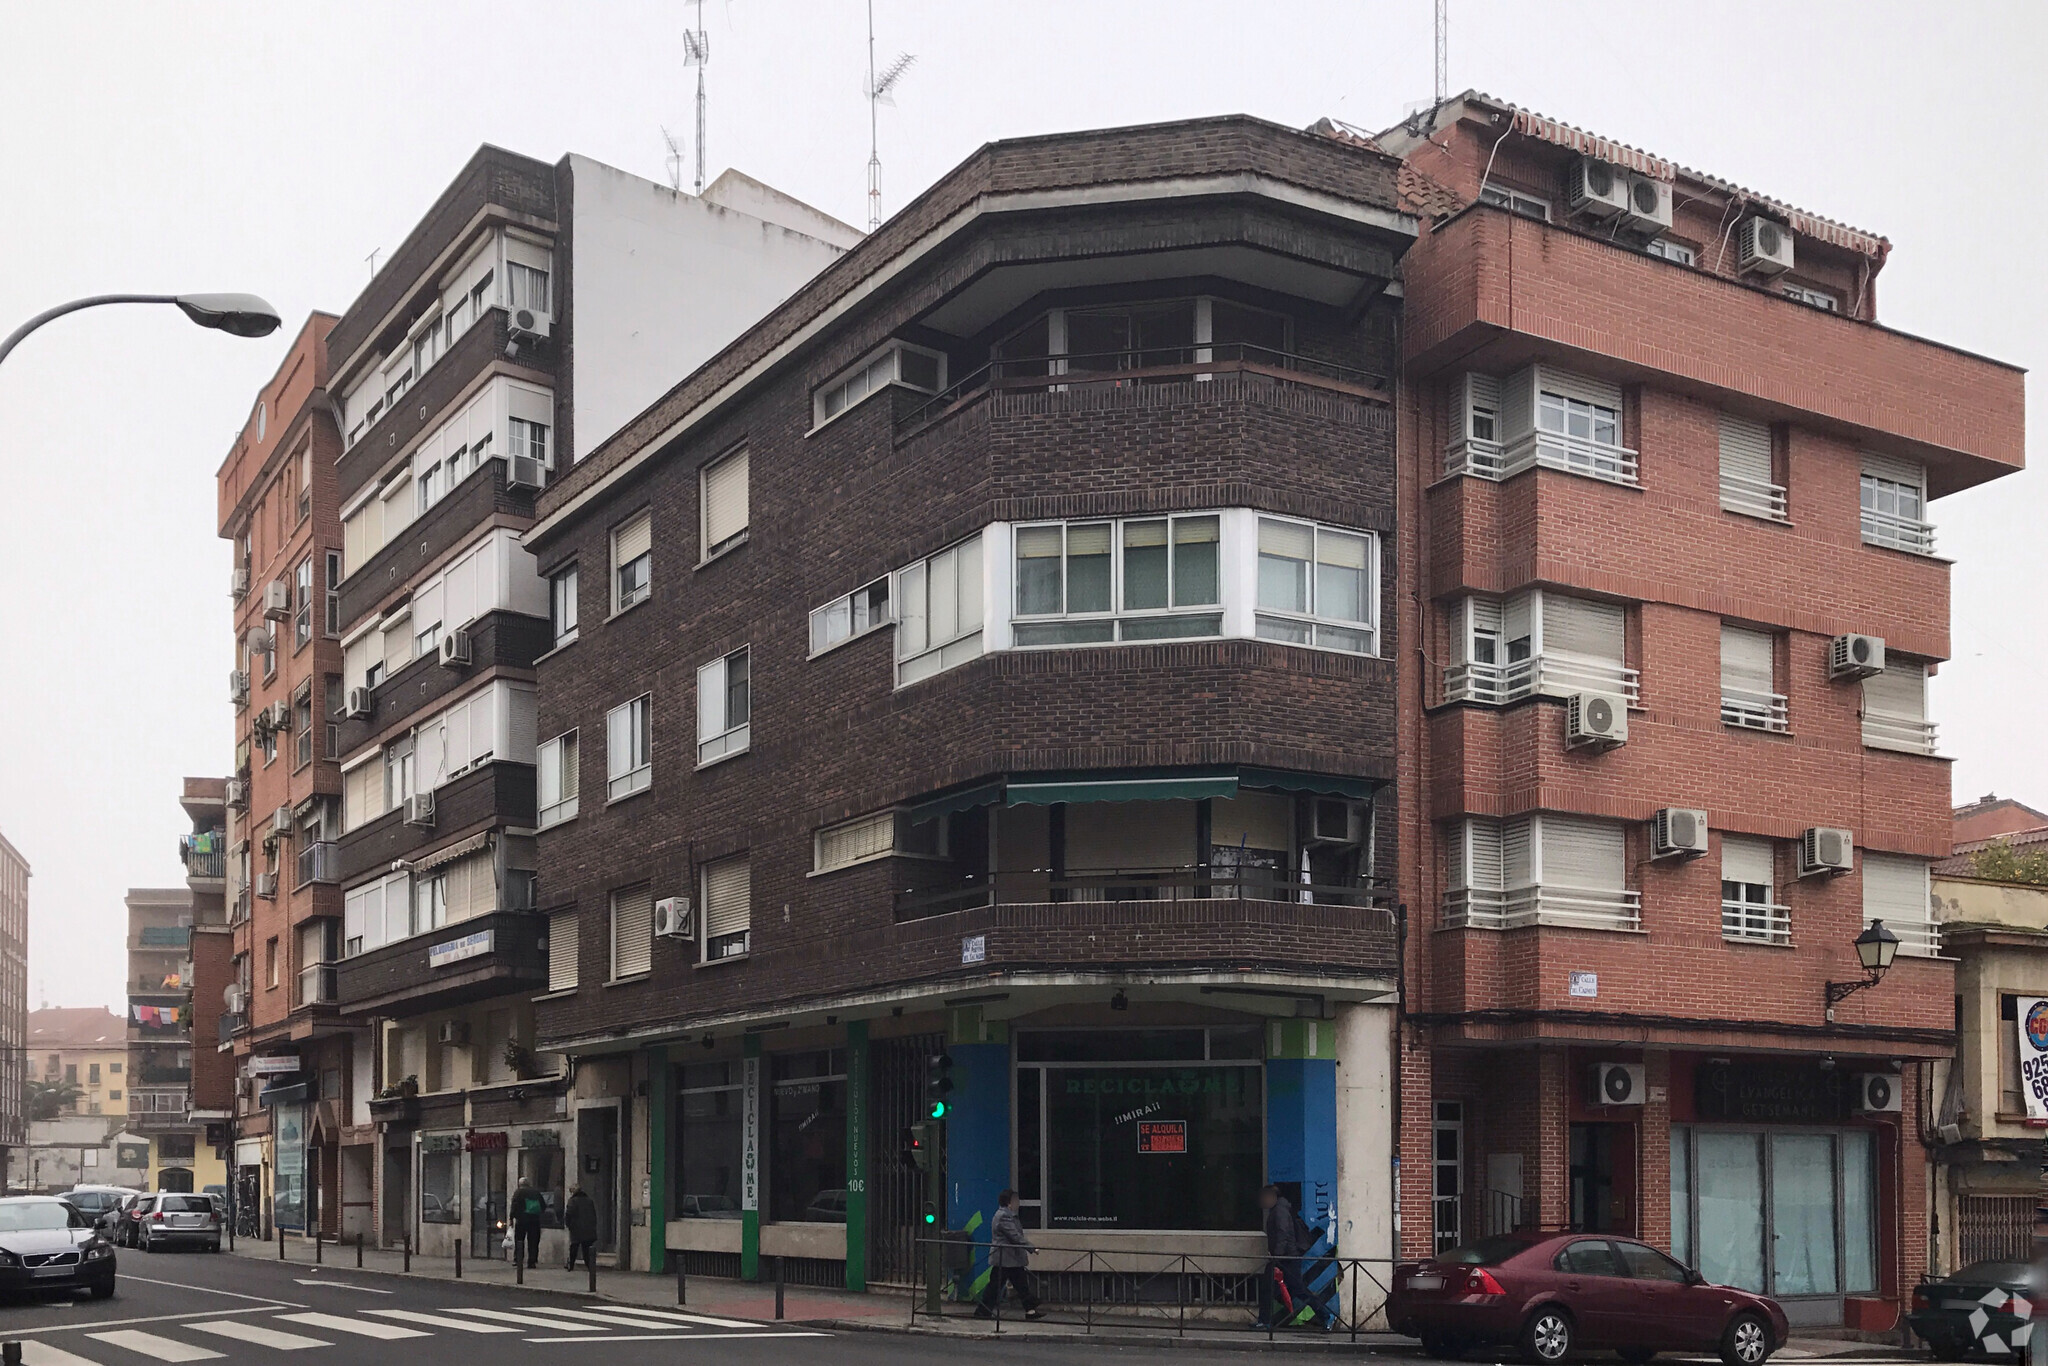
(807, 1137)
(1538, 643)
(1317, 586)
(856, 614)
(1086, 571)
(1541, 869)
(1538, 416)
(940, 602)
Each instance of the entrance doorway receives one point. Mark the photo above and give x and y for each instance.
(487, 1205)
(1603, 1178)
(397, 1193)
(597, 1158)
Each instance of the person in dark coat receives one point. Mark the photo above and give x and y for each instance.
(579, 1217)
(1286, 1245)
(527, 1207)
(1009, 1255)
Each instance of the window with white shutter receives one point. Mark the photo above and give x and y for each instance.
(1540, 870)
(562, 951)
(632, 931)
(940, 601)
(1582, 645)
(629, 749)
(1895, 708)
(1749, 689)
(855, 841)
(1561, 421)
(1894, 497)
(632, 562)
(724, 707)
(725, 502)
(556, 775)
(1747, 485)
(1748, 887)
(1581, 853)
(728, 907)
(1896, 891)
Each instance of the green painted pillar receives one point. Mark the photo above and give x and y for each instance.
(661, 1105)
(750, 1159)
(857, 1155)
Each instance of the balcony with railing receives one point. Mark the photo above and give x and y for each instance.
(319, 862)
(1904, 734)
(205, 858)
(1756, 922)
(317, 984)
(1548, 675)
(1195, 883)
(1754, 710)
(1544, 449)
(1896, 532)
(1579, 908)
(1917, 938)
(1753, 497)
(151, 1110)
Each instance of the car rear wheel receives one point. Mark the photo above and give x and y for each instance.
(1547, 1336)
(1746, 1341)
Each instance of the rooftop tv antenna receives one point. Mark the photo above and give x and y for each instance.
(1443, 68)
(675, 160)
(879, 86)
(697, 53)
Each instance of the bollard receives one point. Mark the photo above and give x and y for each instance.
(518, 1267)
(680, 1297)
(280, 1242)
(10, 1353)
(317, 1258)
(458, 1259)
(778, 1289)
(591, 1262)
(359, 1251)
(405, 1240)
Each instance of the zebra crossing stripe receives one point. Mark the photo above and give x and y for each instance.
(360, 1327)
(439, 1321)
(150, 1345)
(529, 1320)
(242, 1331)
(36, 1353)
(634, 1313)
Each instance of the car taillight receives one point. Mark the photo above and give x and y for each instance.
(1481, 1282)
(1920, 1300)
(158, 1216)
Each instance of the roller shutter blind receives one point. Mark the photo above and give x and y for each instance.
(1908, 472)
(562, 951)
(841, 845)
(1895, 888)
(1747, 662)
(632, 931)
(725, 500)
(1479, 864)
(1747, 859)
(1587, 629)
(1899, 692)
(1745, 450)
(1517, 853)
(632, 540)
(727, 897)
(1583, 853)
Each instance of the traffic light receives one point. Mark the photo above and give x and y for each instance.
(917, 1146)
(931, 1214)
(938, 1085)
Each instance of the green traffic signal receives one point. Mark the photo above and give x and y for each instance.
(938, 1109)
(930, 1218)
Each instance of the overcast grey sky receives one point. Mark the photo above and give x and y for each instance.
(168, 145)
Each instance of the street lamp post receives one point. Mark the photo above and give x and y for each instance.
(239, 315)
(1875, 949)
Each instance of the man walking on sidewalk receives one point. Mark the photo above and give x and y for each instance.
(1287, 1242)
(1009, 1254)
(527, 1206)
(580, 1218)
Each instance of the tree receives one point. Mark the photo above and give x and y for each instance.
(1998, 861)
(49, 1099)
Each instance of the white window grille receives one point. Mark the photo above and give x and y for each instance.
(1540, 870)
(1749, 908)
(1543, 417)
(1896, 891)
(1895, 505)
(1895, 708)
(1747, 466)
(1749, 695)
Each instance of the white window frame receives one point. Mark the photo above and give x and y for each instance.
(1750, 911)
(1742, 441)
(1523, 405)
(1516, 202)
(1270, 619)
(719, 736)
(560, 758)
(1530, 670)
(565, 586)
(1904, 731)
(1749, 708)
(874, 373)
(853, 615)
(644, 589)
(1919, 934)
(636, 775)
(1114, 624)
(1666, 249)
(1823, 299)
(1473, 901)
(712, 550)
(1901, 483)
(919, 654)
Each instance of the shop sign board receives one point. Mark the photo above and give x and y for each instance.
(473, 945)
(487, 1141)
(540, 1138)
(440, 1143)
(1768, 1092)
(750, 1134)
(2031, 1020)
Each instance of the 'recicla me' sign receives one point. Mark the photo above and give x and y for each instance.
(1766, 1091)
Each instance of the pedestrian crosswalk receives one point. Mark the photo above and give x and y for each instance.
(245, 1336)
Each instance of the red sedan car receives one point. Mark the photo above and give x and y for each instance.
(1554, 1294)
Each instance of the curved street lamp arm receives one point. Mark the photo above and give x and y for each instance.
(14, 337)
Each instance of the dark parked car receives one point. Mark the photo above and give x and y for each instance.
(47, 1244)
(1975, 1311)
(175, 1218)
(1555, 1294)
(129, 1216)
(101, 1204)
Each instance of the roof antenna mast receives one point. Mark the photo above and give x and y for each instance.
(879, 87)
(697, 53)
(1443, 68)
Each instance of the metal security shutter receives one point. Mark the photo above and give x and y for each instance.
(1899, 692)
(1479, 868)
(1745, 450)
(632, 540)
(632, 931)
(562, 946)
(1583, 853)
(1746, 859)
(1895, 888)
(727, 892)
(1747, 662)
(1587, 629)
(725, 500)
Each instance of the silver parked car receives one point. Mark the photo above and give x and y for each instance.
(177, 1218)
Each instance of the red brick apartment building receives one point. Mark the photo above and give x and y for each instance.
(296, 1156)
(1662, 474)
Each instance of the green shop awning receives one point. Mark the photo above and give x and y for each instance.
(1322, 784)
(1186, 787)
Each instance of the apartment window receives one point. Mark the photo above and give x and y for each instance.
(632, 562)
(562, 951)
(1815, 298)
(723, 707)
(377, 913)
(629, 756)
(426, 347)
(432, 483)
(1671, 251)
(632, 931)
(898, 363)
(1747, 470)
(562, 606)
(480, 295)
(430, 901)
(728, 907)
(1317, 586)
(1895, 708)
(399, 774)
(334, 593)
(724, 494)
(856, 614)
(316, 962)
(861, 840)
(1541, 869)
(302, 725)
(1749, 691)
(270, 962)
(529, 438)
(526, 287)
(1527, 205)
(1538, 416)
(269, 652)
(1895, 890)
(939, 605)
(1895, 505)
(1538, 643)
(1152, 578)
(556, 760)
(1749, 909)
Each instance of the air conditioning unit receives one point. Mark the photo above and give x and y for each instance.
(455, 650)
(238, 580)
(361, 702)
(277, 600)
(419, 809)
(266, 885)
(281, 821)
(1679, 832)
(1595, 720)
(1333, 820)
(525, 472)
(280, 715)
(1764, 247)
(1855, 656)
(1877, 1093)
(238, 687)
(238, 793)
(453, 1032)
(1597, 188)
(1649, 206)
(675, 918)
(1617, 1083)
(529, 323)
(1824, 849)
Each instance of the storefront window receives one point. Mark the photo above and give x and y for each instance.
(807, 1137)
(1788, 1212)
(439, 1201)
(290, 1188)
(1803, 1214)
(709, 1137)
(542, 1168)
(1859, 1212)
